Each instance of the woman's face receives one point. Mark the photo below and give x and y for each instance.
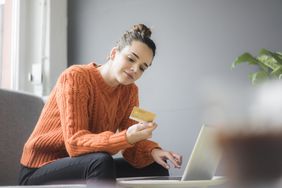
(131, 62)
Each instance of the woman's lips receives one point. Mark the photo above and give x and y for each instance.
(129, 75)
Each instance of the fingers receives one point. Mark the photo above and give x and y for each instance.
(149, 124)
(140, 131)
(153, 125)
(146, 125)
(163, 163)
(173, 160)
(161, 157)
(177, 158)
(147, 129)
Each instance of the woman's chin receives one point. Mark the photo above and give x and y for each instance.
(125, 81)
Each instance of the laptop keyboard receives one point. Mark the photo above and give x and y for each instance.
(154, 178)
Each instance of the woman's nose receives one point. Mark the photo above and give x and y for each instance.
(134, 68)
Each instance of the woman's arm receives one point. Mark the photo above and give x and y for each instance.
(140, 154)
(72, 97)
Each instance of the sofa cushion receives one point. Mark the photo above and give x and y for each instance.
(18, 115)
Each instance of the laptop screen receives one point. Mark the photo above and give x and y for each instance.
(205, 156)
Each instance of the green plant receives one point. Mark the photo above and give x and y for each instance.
(269, 63)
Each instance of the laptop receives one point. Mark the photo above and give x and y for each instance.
(199, 170)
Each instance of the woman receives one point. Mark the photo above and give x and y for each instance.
(86, 120)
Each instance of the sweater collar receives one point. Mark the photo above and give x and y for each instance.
(100, 79)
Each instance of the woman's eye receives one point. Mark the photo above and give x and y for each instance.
(131, 60)
(142, 69)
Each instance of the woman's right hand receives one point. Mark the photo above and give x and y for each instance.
(140, 131)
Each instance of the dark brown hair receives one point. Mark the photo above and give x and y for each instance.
(139, 32)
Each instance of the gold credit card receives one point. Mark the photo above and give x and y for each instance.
(142, 115)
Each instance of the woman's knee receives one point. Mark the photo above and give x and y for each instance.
(103, 157)
(157, 170)
(101, 166)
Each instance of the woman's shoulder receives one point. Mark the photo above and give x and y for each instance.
(78, 69)
(77, 73)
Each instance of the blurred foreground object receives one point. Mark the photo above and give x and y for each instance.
(252, 157)
(253, 149)
(266, 110)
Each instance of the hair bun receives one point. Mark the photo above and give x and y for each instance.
(138, 32)
(142, 29)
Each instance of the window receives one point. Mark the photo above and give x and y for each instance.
(9, 24)
(2, 4)
(30, 38)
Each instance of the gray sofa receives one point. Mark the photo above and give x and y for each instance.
(18, 115)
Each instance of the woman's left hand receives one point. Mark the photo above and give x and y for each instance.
(161, 157)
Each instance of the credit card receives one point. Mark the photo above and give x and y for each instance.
(142, 115)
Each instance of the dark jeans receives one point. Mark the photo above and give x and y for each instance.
(91, 167)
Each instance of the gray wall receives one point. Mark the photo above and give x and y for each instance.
(197, 40)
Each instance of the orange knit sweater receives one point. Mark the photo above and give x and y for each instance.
(82, 115)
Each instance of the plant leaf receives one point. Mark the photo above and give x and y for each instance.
(245, 57)
(263, 67)
(279, 54)
(277, 72)
(268, 61)
(258, 77)
(274, 55)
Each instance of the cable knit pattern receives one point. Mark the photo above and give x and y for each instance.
(82, 115)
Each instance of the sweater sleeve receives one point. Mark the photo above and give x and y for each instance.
(72, 98)
(139, 155)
